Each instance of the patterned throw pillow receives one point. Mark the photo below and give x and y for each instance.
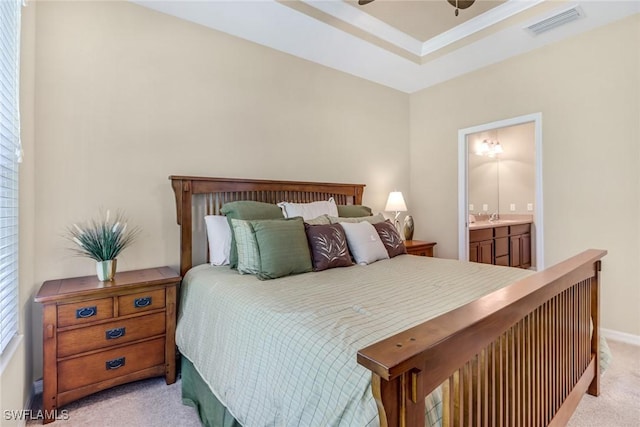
(390, 238)
(247, 209)
(328, 245)
(247, 246)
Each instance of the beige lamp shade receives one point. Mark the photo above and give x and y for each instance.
(395, 202)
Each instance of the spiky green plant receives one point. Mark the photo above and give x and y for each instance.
(102, 239)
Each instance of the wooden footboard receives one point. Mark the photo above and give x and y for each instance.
(523, 355)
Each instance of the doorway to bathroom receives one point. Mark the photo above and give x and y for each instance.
(500, 180)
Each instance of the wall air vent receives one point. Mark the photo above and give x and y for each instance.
(556, 20)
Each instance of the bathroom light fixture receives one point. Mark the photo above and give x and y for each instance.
(395, 203)
(489, 148)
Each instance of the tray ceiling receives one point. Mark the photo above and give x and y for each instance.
(406, 45)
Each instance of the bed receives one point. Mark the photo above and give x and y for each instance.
(514, 348)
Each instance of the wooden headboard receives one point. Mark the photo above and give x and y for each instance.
(205, 196)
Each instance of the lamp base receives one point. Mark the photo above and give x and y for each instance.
(398, 226)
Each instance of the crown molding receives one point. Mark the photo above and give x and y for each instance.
(380, 29)
(476, 24)
(372, 25)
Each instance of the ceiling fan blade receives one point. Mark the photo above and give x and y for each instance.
(363, 2)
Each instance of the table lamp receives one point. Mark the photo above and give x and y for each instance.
(395, 203)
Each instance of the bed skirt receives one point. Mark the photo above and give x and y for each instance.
(212, 413)
(196, 393)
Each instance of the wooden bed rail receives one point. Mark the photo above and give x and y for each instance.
(523, 355)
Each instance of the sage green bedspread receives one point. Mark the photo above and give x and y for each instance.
(283, 352)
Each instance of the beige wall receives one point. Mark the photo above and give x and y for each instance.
(588, 91)
(126, 96)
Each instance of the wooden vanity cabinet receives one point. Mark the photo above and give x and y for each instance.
(501, 245)
(481, 246)
(504, 245)
(520, 246)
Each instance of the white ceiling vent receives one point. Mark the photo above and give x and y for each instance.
(556, 20)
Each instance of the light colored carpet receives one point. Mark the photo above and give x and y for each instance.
(149, 403)
(152, 403)
(619, 402)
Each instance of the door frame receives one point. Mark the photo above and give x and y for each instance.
(463, 185)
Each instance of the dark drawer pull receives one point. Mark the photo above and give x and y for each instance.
(115, 363)
(114, 333)
(85, 312)
(142, 302)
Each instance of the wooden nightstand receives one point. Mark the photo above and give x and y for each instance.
(97, 335)
(419, 247)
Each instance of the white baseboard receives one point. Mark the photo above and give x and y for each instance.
(621, 336)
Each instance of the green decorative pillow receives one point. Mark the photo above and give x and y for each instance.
(283, 247)
(373, 219)
(247, 209)
(353, 211)
(248, 253)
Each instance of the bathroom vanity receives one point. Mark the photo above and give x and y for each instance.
(501, 242)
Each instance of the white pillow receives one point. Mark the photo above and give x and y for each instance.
(219, 237)
(364, 242)
(309, 210)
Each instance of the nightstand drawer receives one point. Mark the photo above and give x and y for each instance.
(143, 301)
(86, 370)
(419, 247)
(421, 252)
(109, 334)
(78, 313)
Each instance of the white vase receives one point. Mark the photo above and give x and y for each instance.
(106, 269)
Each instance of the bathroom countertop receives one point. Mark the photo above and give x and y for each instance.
(498, 223)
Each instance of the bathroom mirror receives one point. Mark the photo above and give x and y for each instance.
(501, 171)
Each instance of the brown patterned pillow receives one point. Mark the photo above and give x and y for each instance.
(390, 238)
(328, 245)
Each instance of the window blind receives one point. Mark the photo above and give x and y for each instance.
(9, 157)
